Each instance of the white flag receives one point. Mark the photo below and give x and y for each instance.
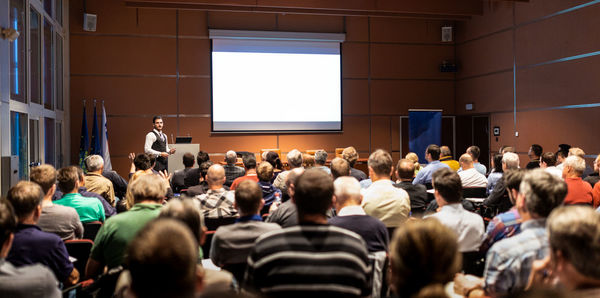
(104, 141)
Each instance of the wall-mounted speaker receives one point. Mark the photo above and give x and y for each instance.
(89, 22)
(447, 34)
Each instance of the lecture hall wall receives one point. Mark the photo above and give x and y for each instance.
(143, 62)
(543, 38)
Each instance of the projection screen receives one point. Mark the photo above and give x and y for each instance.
(276, 81)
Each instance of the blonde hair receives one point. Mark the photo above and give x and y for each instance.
(144, 185)
(415, 159)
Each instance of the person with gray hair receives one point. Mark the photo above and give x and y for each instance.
(351, 216)
(574, 256)
(320, 160)
(148, 193)
(580, 192)
(499, 198)
(509, 261)
(594, 177)
(294, 159)
(232, 171)
(95, 182)
(382, 200)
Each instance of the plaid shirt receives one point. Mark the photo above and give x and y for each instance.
(503, 225)
(232, 172)
(509, 261)
(217, 203)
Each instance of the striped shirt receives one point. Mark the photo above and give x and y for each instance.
(318, 260)
(509, 261)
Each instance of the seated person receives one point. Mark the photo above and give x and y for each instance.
(249, 161)
(231, 244)
(469, 176)
(94, 180)
(177, 181)
(320, 160)
(579, 191)
(217, 202)
(417, 193)
(424, 257)
(313, 258)
(162, 261)
(147, 193)
(351, 216)
(60, 220)
(432, 155)
(202, 185)
(294, 160)
(30, 244)
(82, 190)
(466, 225)
(285, 215)
(498, 198)
(88, 210)
(270, 193)
(25, 281)
(231, 170)
(351, 156)
(339, 167)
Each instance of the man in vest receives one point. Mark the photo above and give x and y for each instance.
(156, 144)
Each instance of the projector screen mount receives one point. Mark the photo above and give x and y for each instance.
(275, 82)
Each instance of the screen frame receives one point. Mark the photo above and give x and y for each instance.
(275, 131)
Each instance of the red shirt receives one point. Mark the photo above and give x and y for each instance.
(252, 177)
(578, 191)
(596, 195)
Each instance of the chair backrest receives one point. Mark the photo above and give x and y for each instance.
(207, 243)
(379, 260)
(90, 229)
(338, 152)
(474, 192)
(473, 263)
(213, 223)
(312, 151)
(237, 270)
(80, 250)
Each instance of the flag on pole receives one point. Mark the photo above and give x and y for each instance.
(84, 142)
(104, 136)
(96, 147)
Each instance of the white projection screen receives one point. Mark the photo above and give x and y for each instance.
(276, 81)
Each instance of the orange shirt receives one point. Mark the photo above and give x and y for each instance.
(596, 195)
(239, 180)
(578, 191)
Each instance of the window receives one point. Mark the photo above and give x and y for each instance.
(59, 8)
(48, 7)
(59, 72)
(34, 138)
(48, 65)
(17, 52)
(59, 146)
(18, 138)
(49, 141)
(35, 73)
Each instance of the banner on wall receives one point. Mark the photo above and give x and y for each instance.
(424, 128)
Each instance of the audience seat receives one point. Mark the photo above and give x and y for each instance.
(312, 151)
(90, 229)
(474, 192)
(79, 249)
(473, 263)
(338, 152)
(208, 236)
(104, 286)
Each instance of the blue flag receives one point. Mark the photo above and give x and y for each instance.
(84, 142)
(96, 146)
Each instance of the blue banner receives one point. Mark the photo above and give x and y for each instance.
(424, 128)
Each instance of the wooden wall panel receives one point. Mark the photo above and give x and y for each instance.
(506, 124)
(194, 96)
(396, 97)
(559, 84)
(410, 61)
(355, 60)
(194, 57)
(193, 23)
(407, 30)
(242, 21)
(485, 55)
(355, 96)
(558, 37)
(492, 93)
(535, 9)
(125, 95)
(357, 29)
(381, 133)
(395, 125)
(122, 55)
(497, 16)
(114, 17)
(310, 23)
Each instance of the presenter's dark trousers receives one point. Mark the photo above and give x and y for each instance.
(161, 164)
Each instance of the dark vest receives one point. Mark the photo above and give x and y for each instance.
(160, 146)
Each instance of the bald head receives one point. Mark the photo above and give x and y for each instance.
(215, 175)
(405, 170)
(466, 161)
(347, 192)
(445, 151)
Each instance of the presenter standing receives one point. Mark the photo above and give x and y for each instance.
(156, 144)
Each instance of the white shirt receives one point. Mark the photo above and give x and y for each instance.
(150, 139)
(472, 178)
(351, 210)
(468, 226)
(554, 171)
(387, 203)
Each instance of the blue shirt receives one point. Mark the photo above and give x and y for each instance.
(424, 175)
(31, 245)
(509, 261)
(492, 181)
